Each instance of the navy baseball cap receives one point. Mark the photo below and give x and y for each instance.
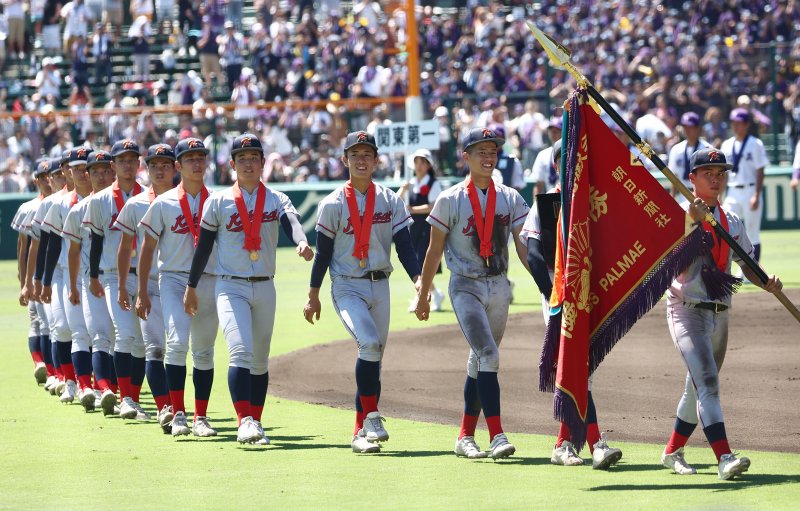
(478, 135)
(98, 157)
(690, 119)
(246, 142)
(359, 137)
(55, 165)
(189, 145)
(709, 157)
(65, 156)
(42, 167)
(159, 151)
(78, 156)
(740, 115)
(123, 146)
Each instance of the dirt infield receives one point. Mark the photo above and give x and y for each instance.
(636, 388)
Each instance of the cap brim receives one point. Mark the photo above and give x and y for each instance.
(93, 163)
(148, 159)
(193, 150)
(499, 142)
(241, 149)
(361, 143)
(134, 151)
(727, 166)
(77, 162)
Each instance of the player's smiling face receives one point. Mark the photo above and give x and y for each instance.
(161, 171)
(361, 161)
(481, 159)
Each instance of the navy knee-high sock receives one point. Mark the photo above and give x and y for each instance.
(176, 380)
(122, 364)
(202, 379)
(368, 383)
(472, 408)
(489, 392)
(47, 353)
(157, 380)
(34, 346)
(239, 386)
(258, 393)
(82, 362)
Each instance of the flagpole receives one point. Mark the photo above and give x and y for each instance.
(559, 55)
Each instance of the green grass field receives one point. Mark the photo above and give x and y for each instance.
(57, 457)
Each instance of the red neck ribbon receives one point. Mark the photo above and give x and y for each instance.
(116, 191)
(187, 211)
(721, 250)
(484, 223)
(252, 229)
(362, 226)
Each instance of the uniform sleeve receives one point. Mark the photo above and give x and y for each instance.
(761, 160)
(211, 214)
(436, 189)
(327, 217)
(153, 221)
(401, 218)
(72, 226)
(519, 209)
(125, 221)
(92, 220)
(53, 221)
(439, 216)
(674, 165)
(286, 205)
(36, 220)
(532, 226)
(538, 173)
(741, 239)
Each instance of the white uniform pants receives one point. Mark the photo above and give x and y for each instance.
(98, 319)
(81, 341)
(737, 200)
(201, 329)
(129, 333)
(247, 315)
(363, 307)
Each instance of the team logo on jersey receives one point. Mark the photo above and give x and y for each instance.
(362, 136)
(180, 226)
(471, 228)
(377, 218)
(235, 223)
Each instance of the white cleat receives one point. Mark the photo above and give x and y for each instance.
(108, 401)
(604, 456)
(248, 431)
(97, 398)
(180, 425)
(201, 427)
(58, 388)
(164, 419)
(127, 410)
(361, 445)
(87, 399)
(730, 466)
(467, 448)
(50, 383)
(141, 415)
(501, 447)
(677, 463)
(437, 298)
(40, 373)
(373, 427)
(263, 440)
(69, 392)
(566, 455)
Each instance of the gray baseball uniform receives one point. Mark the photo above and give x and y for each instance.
(35, 225)
(17, 224)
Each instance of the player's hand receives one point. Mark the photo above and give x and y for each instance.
(774, 284)
(143, 305)
(124, 299)
(698, 210)
(96, 288)
(754, 201)
(37, 290)
(47, 294)
(304, 251)
(794, 183)
(190, 301)
(24, 296)
(312, 309)
(74, 296)
(423, 310)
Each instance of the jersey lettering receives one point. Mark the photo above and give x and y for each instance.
(235, 223)
(180, 226)
(470, 229)
(377, 218)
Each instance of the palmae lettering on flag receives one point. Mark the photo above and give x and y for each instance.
(621, 241)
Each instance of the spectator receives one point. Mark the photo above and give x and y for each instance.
(15, 17)
(140, 33)
(231, 44)
(233, 13)
(209, 52)
(141, 8)
(114, 122)
(9, 182)
(165, 15)
(115, 17)
(51, 31)
(80, 102)
(80, 64)
(372, 78)
(76, 23)
(101, 51)
(48, 80)
(244, 95)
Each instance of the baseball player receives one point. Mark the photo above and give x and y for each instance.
(356, 224)
(473, 221)
(95, 311)
(509, 169)
(161, 170)
(74, 343)
(36, 344)
(101, 214)
(172, 225)
(244, 219)
(746, 180)
(60, 184)
(419, 194)
(543, 173)
(681, 153)
(699, 324)
(540, 253)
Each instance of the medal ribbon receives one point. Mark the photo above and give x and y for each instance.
(252, 229)
(116, 192)
(738, 156)
(721, 250)
(187, 211)
(362, 226)
(73, 198)
(483, 227)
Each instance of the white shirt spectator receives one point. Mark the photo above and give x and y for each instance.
(76, 21)
(48, 81)
(373, 79)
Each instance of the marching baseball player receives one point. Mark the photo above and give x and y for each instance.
(161, 170)
(356, 225)
(681, 153)
(36, 344)
(540, 254)
(473, 221)
(746, 180)
(699, 324)
(95, 316)
(101, 214)
(419, 194)
(74, 343)
(172, 225)
(244, 219)
(60, 184)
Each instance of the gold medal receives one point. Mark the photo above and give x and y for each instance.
(133, 253)
(254, 255)
(362, 263)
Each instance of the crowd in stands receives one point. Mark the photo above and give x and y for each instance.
(480, 65)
